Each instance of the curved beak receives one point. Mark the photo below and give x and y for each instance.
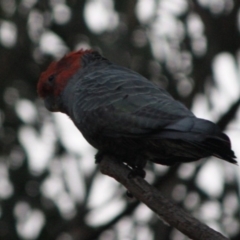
(51, 104)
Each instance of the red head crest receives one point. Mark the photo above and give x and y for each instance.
(55, 78)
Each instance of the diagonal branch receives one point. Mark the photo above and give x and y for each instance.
(166, 209)
(229, 115)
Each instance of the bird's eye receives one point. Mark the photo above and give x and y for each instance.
(51, 78)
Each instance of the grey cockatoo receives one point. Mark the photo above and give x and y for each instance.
(121, 113)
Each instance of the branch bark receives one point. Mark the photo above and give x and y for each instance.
(164, 208)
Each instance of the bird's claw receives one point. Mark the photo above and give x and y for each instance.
(129, 194)
(137, 172)
(134, 173)
(98, 157)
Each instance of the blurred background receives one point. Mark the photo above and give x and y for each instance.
(50, 187)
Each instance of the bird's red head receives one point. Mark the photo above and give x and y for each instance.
(55, 78)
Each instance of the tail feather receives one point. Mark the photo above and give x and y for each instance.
(204, 136)
(221, 149)
(217, 147)
(192, 138)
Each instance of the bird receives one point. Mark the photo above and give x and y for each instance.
(124, 115)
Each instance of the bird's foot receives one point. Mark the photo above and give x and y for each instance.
(99, 156)
(129, 194)
(137, 172)
(134, 173)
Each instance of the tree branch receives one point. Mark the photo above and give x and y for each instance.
(166, 209)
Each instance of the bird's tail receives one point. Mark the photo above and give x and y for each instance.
(204, 137)
(218, 146)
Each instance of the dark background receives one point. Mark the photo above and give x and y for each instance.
(44, 191)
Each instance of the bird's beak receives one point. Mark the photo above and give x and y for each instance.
(51, 104)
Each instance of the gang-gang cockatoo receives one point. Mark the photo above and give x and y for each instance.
(122, 114)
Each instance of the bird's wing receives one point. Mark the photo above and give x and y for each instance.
(124, 103)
